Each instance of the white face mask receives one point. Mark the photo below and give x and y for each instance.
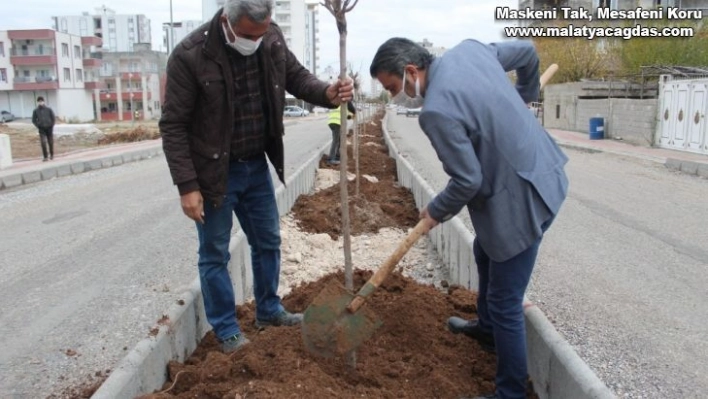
(242, 45)
(404, 100)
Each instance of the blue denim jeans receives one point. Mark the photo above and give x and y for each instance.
(250, 195)
(500, 309)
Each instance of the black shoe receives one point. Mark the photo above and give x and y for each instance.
(45, 160)
(471, 329)
(283, 318)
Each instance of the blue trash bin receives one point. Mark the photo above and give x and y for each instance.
(597, 128)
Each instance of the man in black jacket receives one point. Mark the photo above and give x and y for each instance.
(43, 119)
(223, 114)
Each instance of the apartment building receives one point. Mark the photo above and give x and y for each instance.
(298, 19)
(171, 36)
(434, 50)
(120, 32)
(61, 67)
(133, 84)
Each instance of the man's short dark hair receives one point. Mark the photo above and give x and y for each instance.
(40, 98)
(398, 52)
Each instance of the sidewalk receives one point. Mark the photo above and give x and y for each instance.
(33, 171)
(686, 162)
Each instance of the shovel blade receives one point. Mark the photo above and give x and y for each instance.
(329, 329)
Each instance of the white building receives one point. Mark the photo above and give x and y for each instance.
(209, 8)
(180, 30)
(60, 67)
(436, 51)
(298, 19)
(118, 31)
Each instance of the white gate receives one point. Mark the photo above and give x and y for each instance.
(682, 116)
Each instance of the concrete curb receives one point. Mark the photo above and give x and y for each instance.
(688, 167)
(555, 368)
(144, 369)
(61, 168)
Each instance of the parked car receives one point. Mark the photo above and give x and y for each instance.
(6, 116)
(292, 110)
(401, 110)
(413, 111)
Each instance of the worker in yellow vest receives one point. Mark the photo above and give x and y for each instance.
(334, 122)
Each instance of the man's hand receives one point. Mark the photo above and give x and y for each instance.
(342, 90)
(193, 206)
(425, 215)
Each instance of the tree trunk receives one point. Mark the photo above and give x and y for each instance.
(346, 229)
(355, 142)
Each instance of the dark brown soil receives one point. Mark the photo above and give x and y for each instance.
(411, 356)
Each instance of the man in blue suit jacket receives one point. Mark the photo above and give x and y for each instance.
(503, 166)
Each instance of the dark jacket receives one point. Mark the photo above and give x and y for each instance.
(43, 117)
(197, 118)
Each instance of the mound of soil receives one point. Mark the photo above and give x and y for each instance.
(139, 133)
(412, 355)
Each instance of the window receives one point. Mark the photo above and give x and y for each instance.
(2, 49)
(611, 4)
(77, 52)
(79, 76)
(67, 75)
(65, 50)
(3, 75)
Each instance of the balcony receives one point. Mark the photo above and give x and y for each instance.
(33, 56)
(88, 41)
(36, 83)
(31, 34)
(92, 62)
(94, 85)
(130, 76)
(111, 95)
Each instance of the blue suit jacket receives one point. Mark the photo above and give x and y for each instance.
(502, 163)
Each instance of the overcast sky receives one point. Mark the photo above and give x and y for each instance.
(443, 22)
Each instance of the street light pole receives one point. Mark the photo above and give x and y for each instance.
(172, 32)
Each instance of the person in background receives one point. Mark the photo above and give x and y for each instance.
(43, 119)
(334, 121)
(503, 166)
(223, 115)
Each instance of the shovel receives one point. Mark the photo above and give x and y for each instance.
(334, 323)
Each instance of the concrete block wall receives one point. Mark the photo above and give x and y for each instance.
(634, 120)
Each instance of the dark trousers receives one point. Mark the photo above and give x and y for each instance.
(500, 309)
(46, 136)
(334, 150)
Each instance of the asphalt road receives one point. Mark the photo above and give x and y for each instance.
(90, 262)
(622, 272)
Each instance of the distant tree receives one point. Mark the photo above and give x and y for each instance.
(577, 58)
(667, 51)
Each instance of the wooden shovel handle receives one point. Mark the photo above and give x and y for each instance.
(388, 266)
